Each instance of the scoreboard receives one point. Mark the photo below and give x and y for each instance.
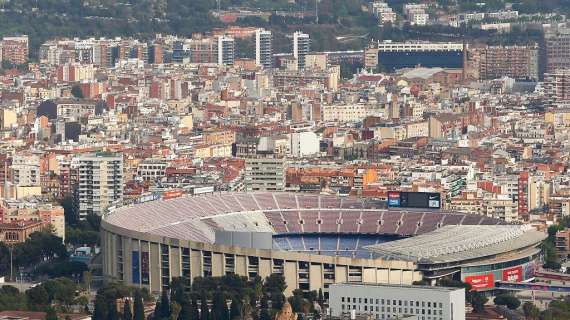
(424, 200)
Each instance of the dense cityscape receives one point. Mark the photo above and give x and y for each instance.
(284, 160)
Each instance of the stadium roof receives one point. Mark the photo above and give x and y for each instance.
(460, 243)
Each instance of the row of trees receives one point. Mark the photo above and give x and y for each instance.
(110, 293)
(54, 295)
(229, 297)
(39, 249)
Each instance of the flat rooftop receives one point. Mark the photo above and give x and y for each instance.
(401, 286)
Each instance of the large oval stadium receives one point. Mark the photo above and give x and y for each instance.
(312, 240)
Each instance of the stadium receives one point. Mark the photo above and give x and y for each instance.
(312, 240)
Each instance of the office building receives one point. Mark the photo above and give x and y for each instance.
(265, 173)
(226, 51)
(100, 183)
(301, 47)
(263, 48)
(388, 301)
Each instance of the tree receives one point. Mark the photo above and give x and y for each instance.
(235, 309)
(507, 300)
(219, 307)
(264, 312)
(531, 312)
(164, 310)
(38, 296)
(204, 311)
(275, 282)
(195, 314)
(100, 312)
(478, 301)
(138, 307)
(113, 314)
(51, 314)
(185, 311)
(127, 314)
(321, 298)
(174, 311)
(177, 290)
(77, 92)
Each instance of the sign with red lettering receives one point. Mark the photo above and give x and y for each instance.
(172, 194)
(513, 274)
(485, 281)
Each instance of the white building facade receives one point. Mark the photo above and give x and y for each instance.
(385, 301)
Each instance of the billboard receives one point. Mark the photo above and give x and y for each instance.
(172, 194)
(424, 200)
(480, 282)
(393, 199)
(135, 267)
(145, 273)
(514, 274)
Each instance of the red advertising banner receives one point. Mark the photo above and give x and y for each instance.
(172, 194)
(513, 274)
(485, 281)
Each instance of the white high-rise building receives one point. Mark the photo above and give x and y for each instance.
(226, 50)
(263, 48)
(301, 47)
(100, 183)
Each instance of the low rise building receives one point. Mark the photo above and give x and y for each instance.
(384, 301)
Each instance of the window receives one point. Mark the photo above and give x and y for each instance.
(342, 299)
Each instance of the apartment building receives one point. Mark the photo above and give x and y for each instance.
(100, 183)
(557, 87)
(265, 173)
(301, 47)
(517, 62)
(264, 48)
(15, 49)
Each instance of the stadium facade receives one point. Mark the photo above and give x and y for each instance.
(312, 240)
